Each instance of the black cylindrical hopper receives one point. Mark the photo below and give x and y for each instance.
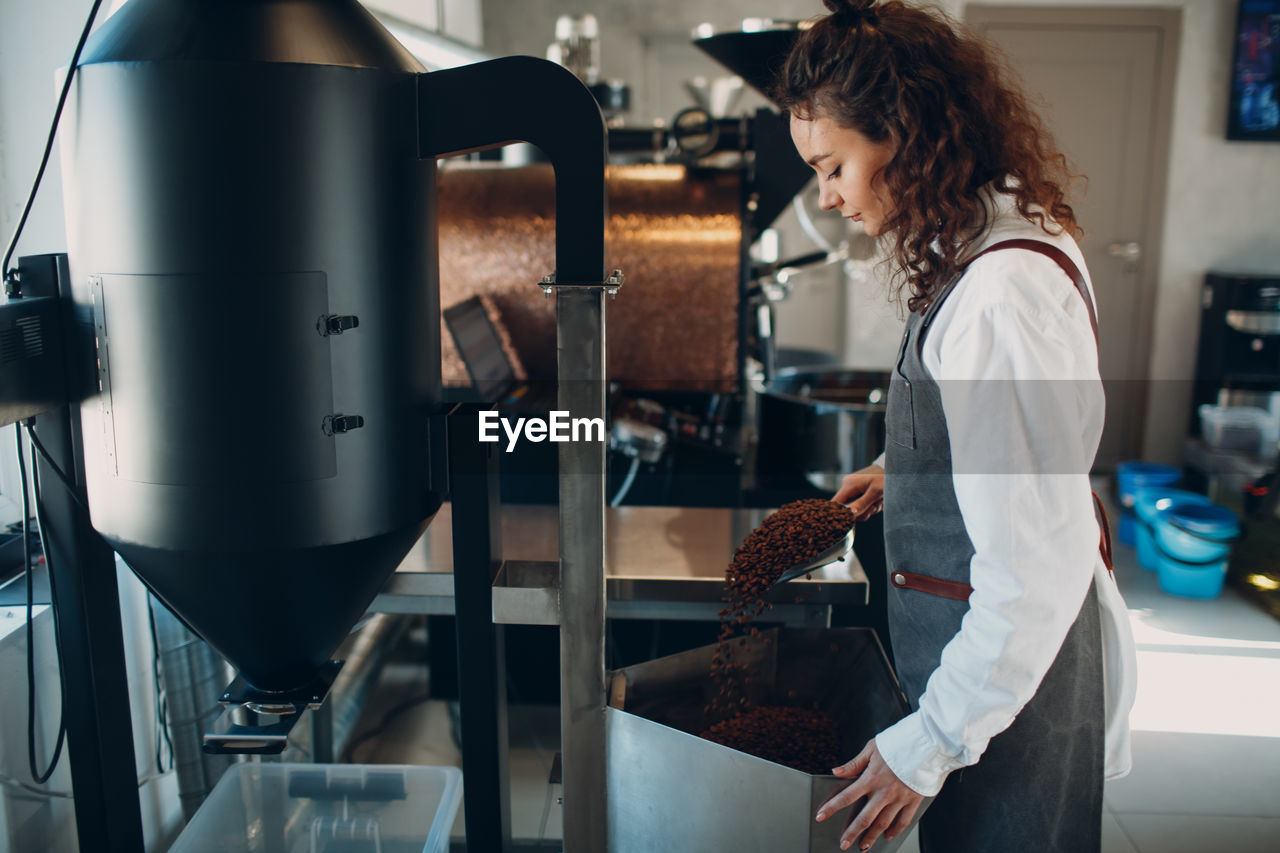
(250, 230)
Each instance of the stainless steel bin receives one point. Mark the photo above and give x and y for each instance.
(670, 790)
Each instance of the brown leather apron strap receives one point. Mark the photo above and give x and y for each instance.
(1060, 258)
(961, 591)
(1104, 527)
(933, 586)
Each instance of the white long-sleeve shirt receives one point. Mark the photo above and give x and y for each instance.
(1015, 358)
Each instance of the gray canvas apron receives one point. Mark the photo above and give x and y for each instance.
(1038, 786)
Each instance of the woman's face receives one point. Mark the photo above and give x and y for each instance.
(849, 169)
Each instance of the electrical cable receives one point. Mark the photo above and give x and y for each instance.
(28, 579)
(381, 727)
(48, 146)
(57, 633)
(18, 784)
(39, 777)
(162, 700)
(626, 483)
(162, 713)
(25, 787)
(26, 509)
(61, 475)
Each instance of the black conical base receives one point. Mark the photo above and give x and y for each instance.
(755, 57)
(276, 616)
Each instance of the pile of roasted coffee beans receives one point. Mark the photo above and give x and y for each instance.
(793, 737)
(794, 534)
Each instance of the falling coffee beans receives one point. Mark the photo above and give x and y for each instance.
(798, 738)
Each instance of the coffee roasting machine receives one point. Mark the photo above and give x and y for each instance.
(693, 351)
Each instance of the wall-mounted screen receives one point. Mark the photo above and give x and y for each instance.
(1255, 73)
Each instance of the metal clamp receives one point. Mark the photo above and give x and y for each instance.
(336, 324)
(255, 722)
(338, 423)
(610, 284)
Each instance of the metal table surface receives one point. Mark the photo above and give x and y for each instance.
(661, 563)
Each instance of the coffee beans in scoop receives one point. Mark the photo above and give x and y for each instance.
(795, 534)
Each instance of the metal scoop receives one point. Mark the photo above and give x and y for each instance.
(838, 551)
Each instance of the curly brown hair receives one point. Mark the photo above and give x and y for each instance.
(944, 98)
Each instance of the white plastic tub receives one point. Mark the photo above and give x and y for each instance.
(312, 808)
(1247, 429)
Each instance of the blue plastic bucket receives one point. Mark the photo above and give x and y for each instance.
(1131, 476)
(1194, 543)
(1147, 501)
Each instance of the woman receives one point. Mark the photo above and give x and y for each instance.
(1001, 609)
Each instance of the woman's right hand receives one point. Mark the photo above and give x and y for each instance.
(863, 492)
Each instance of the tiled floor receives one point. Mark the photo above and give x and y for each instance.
(1206, 726)
(1206, 733)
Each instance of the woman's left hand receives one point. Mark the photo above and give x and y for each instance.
(888, 805)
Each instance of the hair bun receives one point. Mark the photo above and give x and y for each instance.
(851, 11)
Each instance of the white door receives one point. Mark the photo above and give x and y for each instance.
(1106, 81)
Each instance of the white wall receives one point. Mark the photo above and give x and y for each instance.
(461, 19)
(643, 42)
(35, 39)
(10, 491)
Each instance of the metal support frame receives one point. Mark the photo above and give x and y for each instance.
(580, 349)
(95, 681)
(547, 106)
(477, 556)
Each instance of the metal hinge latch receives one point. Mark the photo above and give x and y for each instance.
(336, 324)
(334, 424)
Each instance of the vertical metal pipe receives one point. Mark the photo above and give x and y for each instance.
(580, 350)
(546, 105)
